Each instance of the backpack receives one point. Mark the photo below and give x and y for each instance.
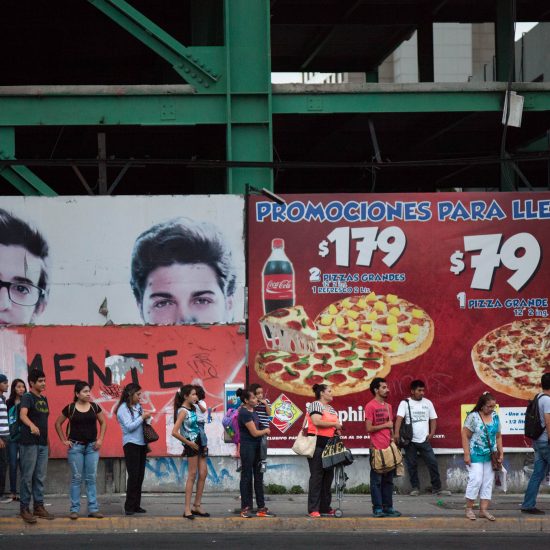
(230, 423)
(533, 428)
(14, 422)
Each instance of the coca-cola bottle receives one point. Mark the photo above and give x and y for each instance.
(278, 279)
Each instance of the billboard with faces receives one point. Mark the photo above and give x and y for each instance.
(166, 260)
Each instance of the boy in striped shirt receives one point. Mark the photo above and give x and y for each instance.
(4, 433)
(263, 410)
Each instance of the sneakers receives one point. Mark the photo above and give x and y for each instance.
(265, 513)
(314, 515)
(95, 515)
(245, 513)
(391, 513)
(330, 514)
(27, 516)
(415, 492)
(378, 513)
(442, 493)
(41, 512)
(73, 515)
(534, 511)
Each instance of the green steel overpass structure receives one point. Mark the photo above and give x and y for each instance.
(175, 97)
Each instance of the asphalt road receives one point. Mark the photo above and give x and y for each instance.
(294, 541)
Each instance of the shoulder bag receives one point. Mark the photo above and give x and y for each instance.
(406, 430)
(385, 460)
(495, 456)
(305, 444)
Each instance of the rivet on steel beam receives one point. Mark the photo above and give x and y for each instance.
(194, 75)
(186, 69)
(206, 85)
(200, 80)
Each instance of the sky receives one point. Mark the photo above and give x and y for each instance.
(285, 78)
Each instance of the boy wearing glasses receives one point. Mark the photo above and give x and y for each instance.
(23, 271)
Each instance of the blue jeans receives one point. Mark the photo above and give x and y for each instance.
(13, 456)
(381, 490)
(542, 463)
(412, 450)
(34, 465)
(83, 461)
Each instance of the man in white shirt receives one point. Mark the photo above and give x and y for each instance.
(424, 421)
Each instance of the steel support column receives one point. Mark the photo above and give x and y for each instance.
(25, 181)
(248, 97)
(425, 49)
(504, 39)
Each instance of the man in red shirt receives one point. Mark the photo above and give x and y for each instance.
(378, 420)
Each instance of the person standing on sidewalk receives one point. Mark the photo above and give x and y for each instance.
(131, 417)
(4, 434)
(542, 451)
(186, 429)
(263, 410)
(83, 446)
(420, 413)
(323, 421)
(251, 455)
(378, 421)
(480, 437)
(18, 388)
(33, 448)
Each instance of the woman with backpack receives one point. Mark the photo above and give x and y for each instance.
(13, 404)
(81, 439)
(187, 430)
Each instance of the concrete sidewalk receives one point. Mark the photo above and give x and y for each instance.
(164, 511)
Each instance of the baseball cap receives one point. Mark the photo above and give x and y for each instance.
(3, 378)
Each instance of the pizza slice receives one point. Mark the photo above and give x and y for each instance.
(289, 329)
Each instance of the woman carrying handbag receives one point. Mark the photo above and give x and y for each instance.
(323, 422)
(131, 417)
(483, 454)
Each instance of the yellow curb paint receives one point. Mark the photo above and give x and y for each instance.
(154, 524)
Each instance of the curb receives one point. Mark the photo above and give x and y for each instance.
(123, 524)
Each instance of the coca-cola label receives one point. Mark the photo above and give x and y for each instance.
(278, 287)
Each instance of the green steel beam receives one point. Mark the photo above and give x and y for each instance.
(89, 108)
(55, 107)
(504, 40)
(194, 65)
(248, 97)
(25, 181)
(401, 102)
(539, 145)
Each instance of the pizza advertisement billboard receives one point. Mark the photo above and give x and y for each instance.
(448, 288)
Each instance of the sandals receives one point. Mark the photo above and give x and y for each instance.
(487, 515)
(470, 514)
(195, 511)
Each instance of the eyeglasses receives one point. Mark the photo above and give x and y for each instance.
(23, 294)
